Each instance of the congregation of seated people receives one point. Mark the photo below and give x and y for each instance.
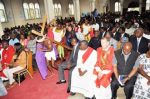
(102, 53)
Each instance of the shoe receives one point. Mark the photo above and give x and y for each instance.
(113, 98)
(90, 98)
(61, 82)
(93, 97)
(72, 93)
(87, 98)
(5, 81)
(68, 90)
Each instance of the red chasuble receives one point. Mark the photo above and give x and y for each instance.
(87, 54)
(104, 61)
(7, 55)
(50, 34)
(91, 33)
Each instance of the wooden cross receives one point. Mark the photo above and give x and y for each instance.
(42, 34)
(43, 27)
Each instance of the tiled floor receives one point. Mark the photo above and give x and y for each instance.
(79, 96)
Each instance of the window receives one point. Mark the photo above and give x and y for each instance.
(71, 9)
(26, 10)
(117, 7)
(57, 9)
(133, 9)
(31, 10)
(147, 4)
(3, 17)
(37, 11)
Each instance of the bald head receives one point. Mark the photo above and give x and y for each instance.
(74, 41)
(127, 47)
(139, 32)
(83, 45)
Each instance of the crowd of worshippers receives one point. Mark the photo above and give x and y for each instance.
(107, 52)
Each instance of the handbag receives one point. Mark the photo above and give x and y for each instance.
(22, 78)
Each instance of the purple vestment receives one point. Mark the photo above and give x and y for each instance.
(41, 61)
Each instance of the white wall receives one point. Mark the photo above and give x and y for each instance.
(84, 6)
(15, 13)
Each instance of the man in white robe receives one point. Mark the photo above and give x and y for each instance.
(82, 76)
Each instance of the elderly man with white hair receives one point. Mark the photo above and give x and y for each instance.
(103, 70)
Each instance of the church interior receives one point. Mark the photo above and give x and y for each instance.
(45, 35)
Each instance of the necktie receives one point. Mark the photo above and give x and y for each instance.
(138, 42)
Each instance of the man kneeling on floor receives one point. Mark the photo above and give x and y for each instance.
(82, 80)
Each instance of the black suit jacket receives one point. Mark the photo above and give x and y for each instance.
(126, 35)
(117, 36)
(101, 35)
(74, 56)
(143, 46)
(95, 43)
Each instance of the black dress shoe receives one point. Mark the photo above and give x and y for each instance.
(113, 98)
(93, 97)
(61, 82)
(5, 80)
(72, 93)
(87, 98)
(68, 90)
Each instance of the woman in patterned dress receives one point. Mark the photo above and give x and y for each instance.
(142, 85)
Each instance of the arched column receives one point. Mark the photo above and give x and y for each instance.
(102, 5)
(92, 4)
(49, 10)
(140, 6)
(76, 9)
(65, 8)
(121, 6)
(1, 30)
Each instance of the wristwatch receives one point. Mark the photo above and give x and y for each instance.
(128, 77)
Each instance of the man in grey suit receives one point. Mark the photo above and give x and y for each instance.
(69, 64)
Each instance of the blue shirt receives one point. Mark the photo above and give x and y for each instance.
(12, 42)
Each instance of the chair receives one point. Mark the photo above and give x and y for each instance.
(26, 70)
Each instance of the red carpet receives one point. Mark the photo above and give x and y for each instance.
(37, 88)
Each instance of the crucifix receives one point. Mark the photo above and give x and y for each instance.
(42, 34)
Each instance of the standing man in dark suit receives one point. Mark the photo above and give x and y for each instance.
(69, 64)
(123, 34)
(103, 30)
(140, 44)
(115, 34)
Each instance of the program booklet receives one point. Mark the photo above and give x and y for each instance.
(121, 79)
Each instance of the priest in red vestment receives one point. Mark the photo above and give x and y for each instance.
(103, 70)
